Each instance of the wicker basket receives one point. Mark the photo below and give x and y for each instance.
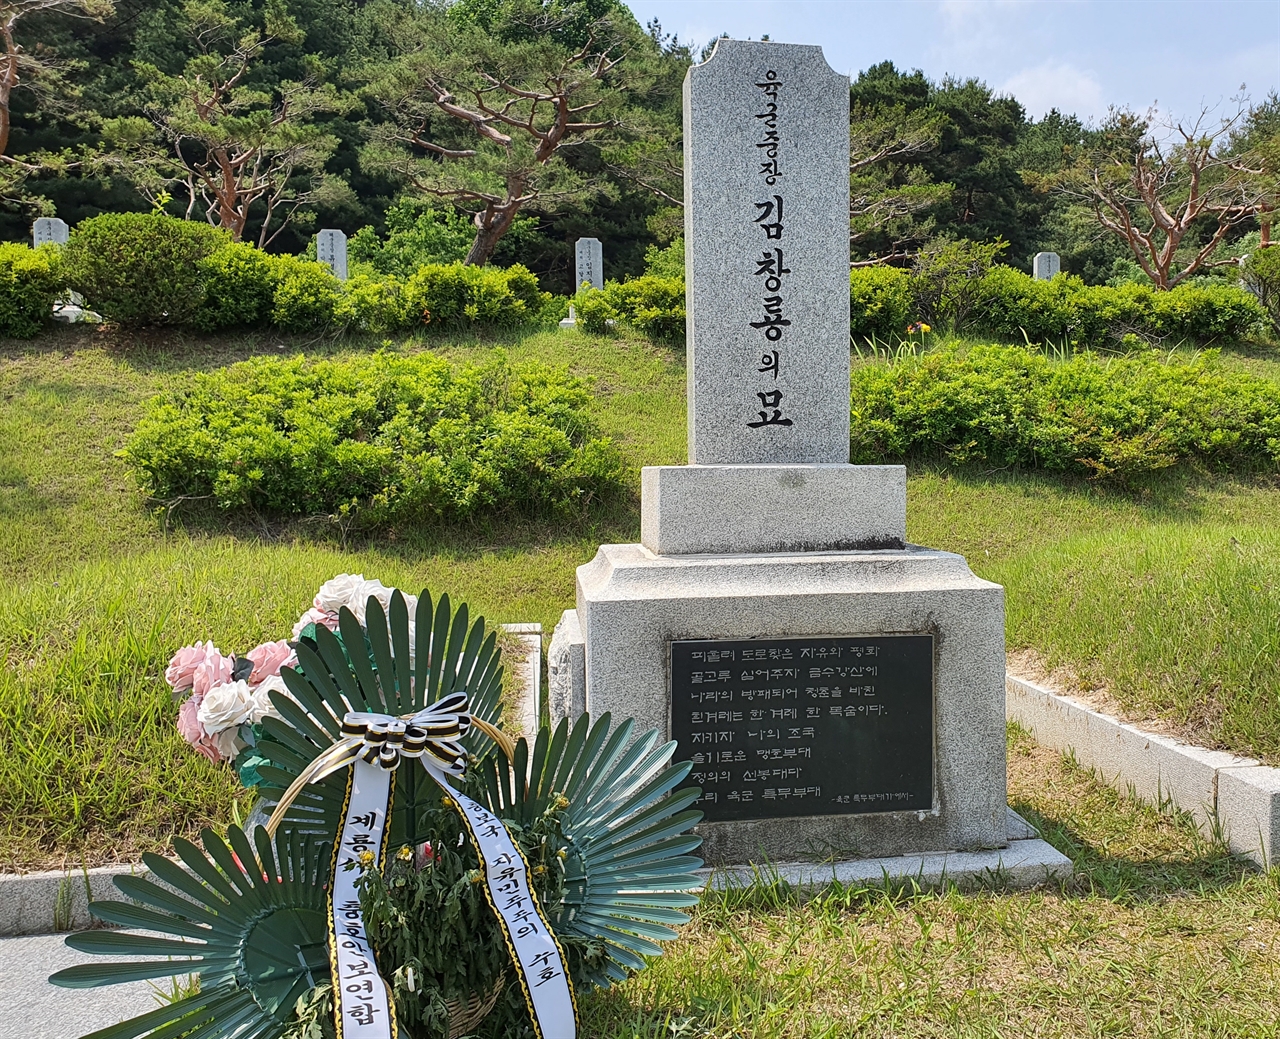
(466, 1013)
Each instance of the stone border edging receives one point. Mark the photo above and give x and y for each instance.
(54, 901)
(1240, 795)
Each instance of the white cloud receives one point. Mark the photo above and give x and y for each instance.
(1060, 85)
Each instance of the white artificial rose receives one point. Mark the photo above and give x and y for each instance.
(225, 706)
(361, 594)
(229, 743)
(336, 593)
(260, 705)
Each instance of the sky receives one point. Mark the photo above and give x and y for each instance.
(1079, 56)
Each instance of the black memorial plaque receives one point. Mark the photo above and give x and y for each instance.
(805, 726)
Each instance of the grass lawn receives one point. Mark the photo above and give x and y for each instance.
(1166, 594)
(1160, 935)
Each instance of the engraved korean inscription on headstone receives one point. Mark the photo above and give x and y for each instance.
(50, 229)
(589, 257)
(806, 726)
(1045, 266)
(331, 248)
(766, 170)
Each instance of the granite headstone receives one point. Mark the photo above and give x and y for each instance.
(50, 229)
(331, 248)
(589, 265)
(1045, 266)
(840, 692)
(766, 174)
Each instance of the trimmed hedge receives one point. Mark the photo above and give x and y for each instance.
(1008, 303)
(454, 294)
(382, 439)
(1117, 417)
(149, 268)
(1012, 303)
(30, 282)
(880, 302)
(141, 268)
(652, 304)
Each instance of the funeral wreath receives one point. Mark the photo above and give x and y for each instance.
(420, 873)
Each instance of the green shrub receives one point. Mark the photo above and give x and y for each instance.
(141, 268)
(1011, 406)
(30, 282)
(384, 438)
(239, 288)
(652, 304)
(946, 279)
(879, 303)
(307, 296)
(1260, 274)
(374, 304)
(414, 237)
(453, 294)
(667, 262)
(1206, 312)
(595, 310)
(1014, 304)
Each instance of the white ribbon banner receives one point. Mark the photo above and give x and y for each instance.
(363, 1008)
(372, 745)
(538, 957)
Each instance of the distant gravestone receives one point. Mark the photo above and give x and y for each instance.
(766, 183)
(590, 263)
(1045, 266)
(50, 229)
(331, 248)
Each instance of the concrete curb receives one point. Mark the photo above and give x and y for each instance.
(1218, 789)
(44, 903)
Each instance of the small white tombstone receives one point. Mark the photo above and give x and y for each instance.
(331, 248)
(50, 229)
(590, 263)
(1045, 266)
(571, 321)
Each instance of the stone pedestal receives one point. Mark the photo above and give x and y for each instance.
(632, 603)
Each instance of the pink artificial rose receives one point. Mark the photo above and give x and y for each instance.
(180, 674)
(192, 731)
(189, 726)
(320, 618)
(268, 659)
(214, 670)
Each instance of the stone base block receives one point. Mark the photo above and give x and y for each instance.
(772, 508)
(40, 903)
(566, 670)
(633, 603)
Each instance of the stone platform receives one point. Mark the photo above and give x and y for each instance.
(1025, 862)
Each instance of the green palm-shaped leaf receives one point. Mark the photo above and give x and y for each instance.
(251, 919)
(448, 654)
(628, 871)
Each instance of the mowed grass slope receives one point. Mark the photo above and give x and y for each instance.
(1160, 934)
(1167, 594)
